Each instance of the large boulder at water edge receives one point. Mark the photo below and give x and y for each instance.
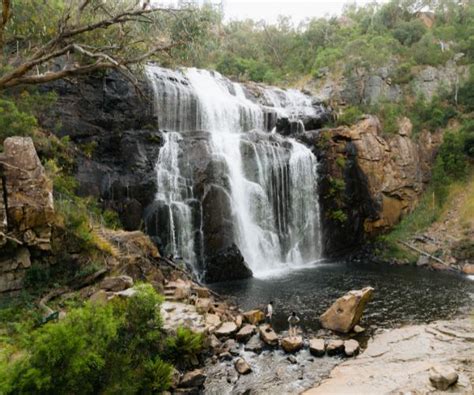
(254, 316)
(317, 347)
(346, 311)
(228, 264)
(292, 343)
(268, 335)
(442, 377)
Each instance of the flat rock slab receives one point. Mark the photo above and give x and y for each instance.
(254, 317)
(317, 347)
(268, 335)
(226, 329)
(245, 333)
(335, 347)
(175, 314)
(402, 360)
(351, 347)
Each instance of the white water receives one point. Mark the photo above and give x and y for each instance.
(272, 179)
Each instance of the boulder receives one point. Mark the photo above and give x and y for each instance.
(423, 260)
(335, 347)
(194, 378)
(292, 359)
(226, 329)
(346, 311)
(442, 377)
(225, 356)
(268, 335)
(254, 344)
(239, 320)
(214, 343)
(203, 305)
(201, 292)
(242, 366)
(351, 347)
(358, 329)
(468, 268)
(99, 298)
(226, 265)
(115, 284)
(292, 343)
(28, 193)
(245, 333)
(212, 322)
(254, 316)
(317, 347)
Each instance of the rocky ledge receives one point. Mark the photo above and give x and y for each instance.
(419, 359)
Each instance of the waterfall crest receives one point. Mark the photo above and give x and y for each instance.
(269, 181)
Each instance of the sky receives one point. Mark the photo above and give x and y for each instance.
(297, 9)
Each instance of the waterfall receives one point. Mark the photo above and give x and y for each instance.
(271, 180)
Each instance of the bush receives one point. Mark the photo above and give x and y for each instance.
(112, 348)
(408, 33)
(428, 51)
(14, 122)
(184, 347)
(350, 116)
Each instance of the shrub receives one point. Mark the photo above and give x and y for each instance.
(184, 347)
(350, 116)
(428, 51)
(112, 348)
(408, 33)
(14, 122)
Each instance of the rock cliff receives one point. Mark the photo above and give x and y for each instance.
(369, 180)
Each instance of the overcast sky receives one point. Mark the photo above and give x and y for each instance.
(297, 9)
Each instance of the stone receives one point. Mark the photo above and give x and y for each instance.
(423, 260)
(225, 356)
(242, 366)
(194, 378)
(405, 127)
(292, 343)
(292, 359)
(13, 269)
(175, 377)
(346, 311)
(468, 268)
(99, 298)
(115, 284)
(254, 345)
(214, 342)
(226, 265)
(202, 292)
(245, 333)
(212, 322)
(239, 320)
(335, 347)
(203, 305)
(231, 346)
(358, 329)
(351, 347)
(317, 347)
(442, 377)
(268, 335)
(226, 329)
(28, 192)
(126, 293)
(254, 317)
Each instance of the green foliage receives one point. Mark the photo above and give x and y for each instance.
(389, 114)
(338, 215)
(113, 348)
(428, 51)
(184, 347)
(350, 116)
(408, 33)
(466, 93)
(337, 186)
(14, 122)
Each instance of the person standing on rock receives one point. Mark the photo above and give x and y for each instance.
(293, 320)
(269, 313)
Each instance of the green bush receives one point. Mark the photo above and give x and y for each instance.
(184, 347)
(428, 51)
(14, 122)
(350, 116)
(408, 33)
(113, 348)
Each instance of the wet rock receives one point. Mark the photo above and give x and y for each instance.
(358, 329)
(423, 260)
(226, 265)
(194, 378)
(245, 333)
(214, 342)
(335, 347)
(292, 343)
(202, 292)
(442, 377)
(292, 359)
(226, 329)
(254, 317)
(242, 366)
(346, 311)
(268, 335)
(231, 346)
(116, 284)
(254, 344)
(317, 347)
(351, 347)
(225, 356)
(468, 268)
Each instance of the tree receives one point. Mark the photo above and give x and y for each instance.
(42, 41)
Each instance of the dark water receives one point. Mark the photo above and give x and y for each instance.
(402, 294)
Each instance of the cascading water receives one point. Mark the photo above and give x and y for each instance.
(271, 180)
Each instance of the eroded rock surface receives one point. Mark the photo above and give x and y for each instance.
(402, 361)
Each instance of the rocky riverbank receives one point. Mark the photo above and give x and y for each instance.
(416, 359)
